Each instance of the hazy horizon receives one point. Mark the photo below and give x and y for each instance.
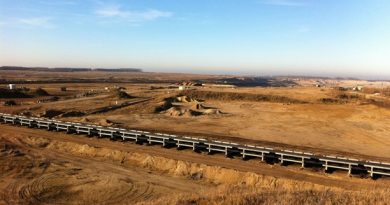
(222, 72)
(256, 37)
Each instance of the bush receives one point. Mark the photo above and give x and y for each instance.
(346, 96)
(5, 93)
(330, 101)
(384, 91)
(340, 96)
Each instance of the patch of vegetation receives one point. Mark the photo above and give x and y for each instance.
(330, 101)
(342, 97)
(383, 91)
(226, 96)
(6, 93)
(345, 96)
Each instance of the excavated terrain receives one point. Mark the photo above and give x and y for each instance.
(41, 167)
(38, 167)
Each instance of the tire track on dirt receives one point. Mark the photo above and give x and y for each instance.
(136, 186)
(213, 160)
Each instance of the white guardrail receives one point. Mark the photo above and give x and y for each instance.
(267, 154)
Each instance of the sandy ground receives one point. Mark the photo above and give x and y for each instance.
(37, 170)
(40, 167)
(360, 130)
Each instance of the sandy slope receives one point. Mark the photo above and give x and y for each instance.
(40, 167)
(35, 170)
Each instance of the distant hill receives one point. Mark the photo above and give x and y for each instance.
(65, 69)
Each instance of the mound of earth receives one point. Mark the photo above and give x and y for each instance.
(200, 106)
(185, 106)
(122, 95)
(41, 92)
(84, 119)
(185, 99)
(105, 122)
(178, 111)
(212, 112)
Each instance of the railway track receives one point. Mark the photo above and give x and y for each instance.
(267, 154)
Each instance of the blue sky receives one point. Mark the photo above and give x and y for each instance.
(259, 37)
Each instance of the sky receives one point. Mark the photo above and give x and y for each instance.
(336, 38)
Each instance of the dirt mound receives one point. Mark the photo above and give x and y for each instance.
(84, 119)
(200, 106)
(122, 94)
(165, 105)
(185, 99)
(105, 122)
(205, 110)
(212, 112)
(177, 111)
(41, 92)
(185, 106)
